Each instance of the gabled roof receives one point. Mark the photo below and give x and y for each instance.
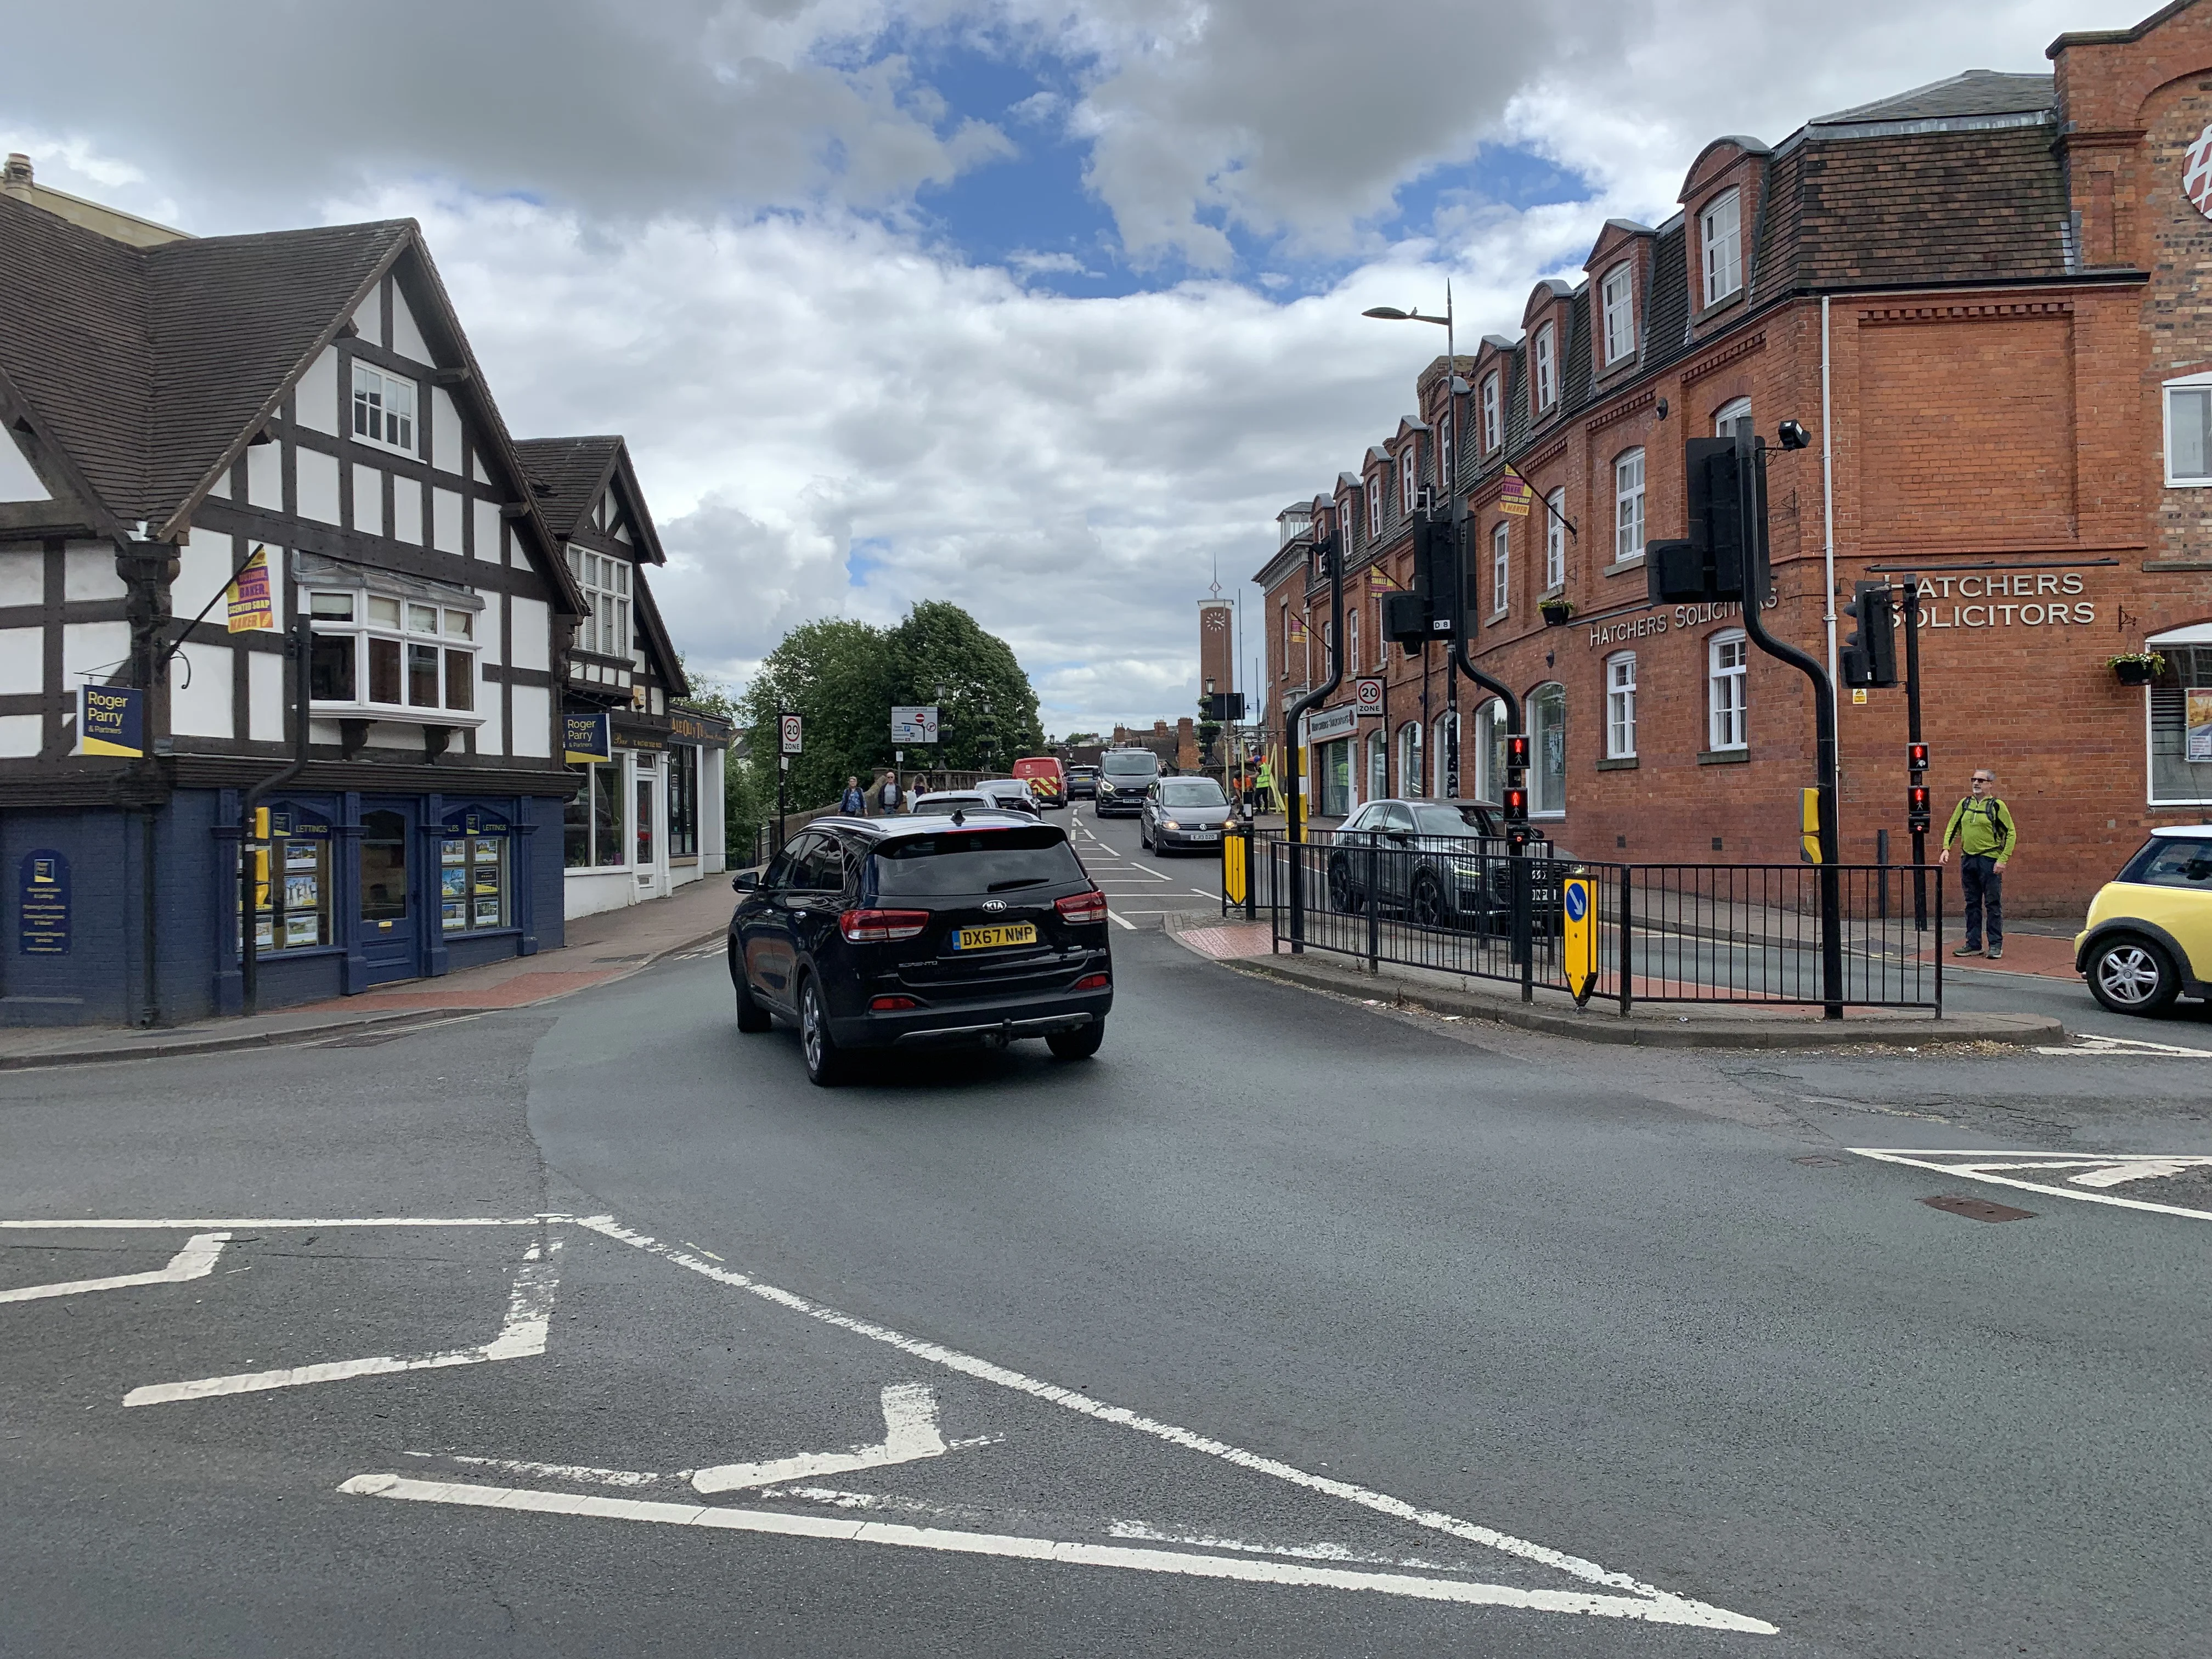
(575, 473)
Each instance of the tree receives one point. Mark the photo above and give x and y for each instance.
(989, 714)
(835, 673)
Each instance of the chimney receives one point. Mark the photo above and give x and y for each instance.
(16, 180)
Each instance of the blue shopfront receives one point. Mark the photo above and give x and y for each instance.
(131, 917)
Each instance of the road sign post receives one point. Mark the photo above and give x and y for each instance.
(791, 731)
(1578, 941)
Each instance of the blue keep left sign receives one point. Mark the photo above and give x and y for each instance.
(1578, 901)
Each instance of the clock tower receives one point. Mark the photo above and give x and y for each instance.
(1217, 646)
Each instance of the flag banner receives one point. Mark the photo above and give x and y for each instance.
(1513, 496)
(111, 720)
(1379, 582)
(252, 601)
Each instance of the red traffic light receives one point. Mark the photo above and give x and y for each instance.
(1516, 751)
(1915, 799)
(1516, 804)
(1915, 758)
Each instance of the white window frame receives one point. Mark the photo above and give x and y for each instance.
(1492, 433)
(1489, 738)
(1627, 505)
(1617, 305)
(1501, 569)
(1409, 757)
(451, 631)
(606, 583)
(1555, 540)
(1377, 765)
(2195, 386)
(1352, 640)
(1445, 444)
(1539, 805)
(2181, 673)
(372, 390)
(1374, 504)
(1728, 684)
(1720, 237)
(1545, 380)
(1728, 414)
(1620, 706)
(1440, 756)
(1408, 477)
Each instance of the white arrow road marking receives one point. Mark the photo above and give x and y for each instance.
(522, 1336)
(1639, 1601)
(1666, 1610)
(2089, 1042)
(2095, 1172)
(195, 1261)
(909, 1434)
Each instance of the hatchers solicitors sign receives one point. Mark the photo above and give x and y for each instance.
(1977, 599)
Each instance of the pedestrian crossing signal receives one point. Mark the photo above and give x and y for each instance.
(1916, 806)
(1516, 751)
(1915, 758)
(1516, 804)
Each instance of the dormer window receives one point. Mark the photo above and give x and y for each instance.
(1546, 369)
(1374, 504)
(1492, 435)
(383, 409)
(1614, 299)
(1409, 481)
(1720, 233)
(605, 582)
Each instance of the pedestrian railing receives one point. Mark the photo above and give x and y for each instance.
(1739, 934)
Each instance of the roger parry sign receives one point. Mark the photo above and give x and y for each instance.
(111, 720)
(584, 738)
(252, 599)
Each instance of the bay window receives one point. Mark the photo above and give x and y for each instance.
(396, 656)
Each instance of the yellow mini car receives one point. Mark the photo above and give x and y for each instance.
(2150, 937)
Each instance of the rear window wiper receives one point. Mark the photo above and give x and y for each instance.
(1021, 881)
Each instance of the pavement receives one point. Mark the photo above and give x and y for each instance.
(1286, 1326)
(596, 950)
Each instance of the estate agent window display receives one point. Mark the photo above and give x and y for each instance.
(474, 873)
(292, 897)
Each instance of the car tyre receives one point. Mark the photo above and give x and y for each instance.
(827, 1065)
(1079, 1044)
(2130, 975)
(1144, 834)
(751, 1017)
(1425, 906)
(1344, 898)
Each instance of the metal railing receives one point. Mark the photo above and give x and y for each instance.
(1741, 933)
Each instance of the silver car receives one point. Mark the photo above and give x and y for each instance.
(1181, 813)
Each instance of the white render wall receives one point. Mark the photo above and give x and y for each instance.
(533, 722)
(90, 572)
(316, 397)
(199, 691)
(23, 576)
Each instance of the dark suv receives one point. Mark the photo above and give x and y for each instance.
(1124, 775)
(871, 933)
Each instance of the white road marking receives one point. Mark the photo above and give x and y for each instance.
(522, 1336)
(1203, 893)
(909, 1434)
(1112, 916)
(1666, 1610)
(2090, 1043)
(578, 1472)
(1986, 1165)
(173, 1224)
(1642, 1600)
(196, 1260)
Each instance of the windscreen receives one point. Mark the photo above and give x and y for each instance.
(1142, 764)
(953, 804)
(964, 861)
(1434, 820)
(1191, 792)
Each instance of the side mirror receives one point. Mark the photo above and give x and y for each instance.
(746, 881)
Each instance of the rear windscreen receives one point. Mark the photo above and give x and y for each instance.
(962, 861)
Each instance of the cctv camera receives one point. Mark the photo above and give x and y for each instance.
(1794, 435)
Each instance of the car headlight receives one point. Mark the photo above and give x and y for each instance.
(1170, 823)
(1104, 787)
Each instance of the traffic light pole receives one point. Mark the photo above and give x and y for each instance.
(1331, 549)
(1751, 483)
(1912, 735)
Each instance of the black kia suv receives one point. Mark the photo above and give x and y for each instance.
(871, 933)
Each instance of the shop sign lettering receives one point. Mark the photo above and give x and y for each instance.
(2026, 598)
(44, 904)
(1661, 622)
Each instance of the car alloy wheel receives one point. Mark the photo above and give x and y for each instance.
(2132, 976)
(826, 1064)
(1428, 906)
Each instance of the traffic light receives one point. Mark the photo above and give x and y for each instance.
(1436, 573)
(1516, 751)
(1405, 620)
(1715, 467)
(1674, 573)
(1915, 758)
(1516, 793)
(1516, 803)
(1869, 656)
(1916, 806)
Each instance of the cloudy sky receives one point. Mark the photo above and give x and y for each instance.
(1046, 307)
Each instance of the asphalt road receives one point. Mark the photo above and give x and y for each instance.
(1289, 1325)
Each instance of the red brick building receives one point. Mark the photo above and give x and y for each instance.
(1989, 300)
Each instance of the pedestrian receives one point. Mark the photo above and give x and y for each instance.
(888, 795)
(855, 804)
(1263, 789)
(1987, 838)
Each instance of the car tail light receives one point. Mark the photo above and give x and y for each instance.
(1091, 982)
(891, 1005)
(1082, 907)
(879, 926)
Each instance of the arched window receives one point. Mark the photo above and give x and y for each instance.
(1547, 728)
(1378, 765)
(1444, 750)
(1489, 780)
(1409, 759)
(1732, 418)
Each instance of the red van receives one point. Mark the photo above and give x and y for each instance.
(1047, 780)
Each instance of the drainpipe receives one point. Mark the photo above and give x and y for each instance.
(1828, 492)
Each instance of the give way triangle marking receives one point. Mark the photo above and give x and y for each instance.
(910, 1433)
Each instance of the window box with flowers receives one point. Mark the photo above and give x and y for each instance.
(1558, 613)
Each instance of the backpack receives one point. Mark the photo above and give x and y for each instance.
(1990, 809)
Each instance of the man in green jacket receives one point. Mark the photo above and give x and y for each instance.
(1987, 838)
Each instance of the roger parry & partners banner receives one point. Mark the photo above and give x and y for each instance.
(111, 720)
(584, 738)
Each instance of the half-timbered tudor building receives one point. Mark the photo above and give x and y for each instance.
(648, 819)
(1987, 299)
(171, 405)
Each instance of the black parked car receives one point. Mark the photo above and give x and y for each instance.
(1440, 864)
(1180, 812)
(870, 932)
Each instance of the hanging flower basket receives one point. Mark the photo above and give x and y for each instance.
(1558, 613)
(2136, 667)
